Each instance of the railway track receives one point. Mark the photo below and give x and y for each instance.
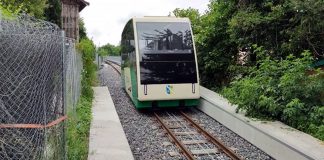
(192, 140)
(114, 65)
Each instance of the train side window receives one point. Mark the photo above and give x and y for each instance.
(125, 43)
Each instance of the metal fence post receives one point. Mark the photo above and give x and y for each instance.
(64, 95)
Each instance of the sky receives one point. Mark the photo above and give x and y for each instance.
(105, 19)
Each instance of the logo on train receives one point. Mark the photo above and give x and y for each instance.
(169, 89)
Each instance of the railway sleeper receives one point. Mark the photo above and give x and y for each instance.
(185, 133)
(174, 154)
(197, 152)
(204, 151)
(173, 120)
(174, 126)
(191, 142)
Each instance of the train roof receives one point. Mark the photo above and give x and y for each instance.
(160, 19)
(156, 19)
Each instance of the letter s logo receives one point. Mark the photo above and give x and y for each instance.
(169, 89)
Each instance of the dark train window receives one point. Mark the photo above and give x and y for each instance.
(128, 46)
(166, 53)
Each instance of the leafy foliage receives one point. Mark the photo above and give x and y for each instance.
(79, 122)
(53, 12)
(283, 27)
(78, 130)
(82, 30)
(216, 52)
(275, 82)
(33, 7)
(192, 14)
(283, 90)
(5, 13)
(49, 10)
(230, 27)
(110, 50)
(87, 49)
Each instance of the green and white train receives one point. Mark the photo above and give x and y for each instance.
(159, 62)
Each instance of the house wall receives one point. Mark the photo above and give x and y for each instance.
(70, 18)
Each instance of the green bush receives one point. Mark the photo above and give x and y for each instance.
(34, 8)
(109, 50)
(283, 90)
(79, 121)
(87, 49)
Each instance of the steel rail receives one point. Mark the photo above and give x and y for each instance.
(191, 137)
(214, 140)
(186, 152)
(111, 64)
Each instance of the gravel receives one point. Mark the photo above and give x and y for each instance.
(242, 147)
(142, 130)
(148, 141)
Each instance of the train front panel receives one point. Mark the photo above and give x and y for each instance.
(166, 60)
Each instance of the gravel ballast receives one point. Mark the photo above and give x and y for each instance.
(145, 137)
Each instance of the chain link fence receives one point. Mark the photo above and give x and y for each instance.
(40, 74)
(73, 69)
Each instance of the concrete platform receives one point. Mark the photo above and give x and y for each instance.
(275, 138)
(107, 137)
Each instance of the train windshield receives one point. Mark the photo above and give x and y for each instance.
(166, 53)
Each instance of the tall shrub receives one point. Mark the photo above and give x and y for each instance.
(283, 90)
(87, 49)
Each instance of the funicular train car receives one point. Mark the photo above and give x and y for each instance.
(159, 63)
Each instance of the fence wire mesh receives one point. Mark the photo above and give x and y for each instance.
(37, 82)
(73, 69)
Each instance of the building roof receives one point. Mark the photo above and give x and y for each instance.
(82, 4)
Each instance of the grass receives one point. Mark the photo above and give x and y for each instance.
(79, 123)
(78, 130)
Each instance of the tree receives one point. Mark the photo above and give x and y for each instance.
(279, 37)
(82, 29)
(282, 27)
(53, 12)
(49, 10)
(228, 27)
(33, 7)
(110, 50)
(4, 12)
(192, 14)
(216, 52)
(309, 31)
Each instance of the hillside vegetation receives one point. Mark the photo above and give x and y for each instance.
(259, 54)
(109, 50)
